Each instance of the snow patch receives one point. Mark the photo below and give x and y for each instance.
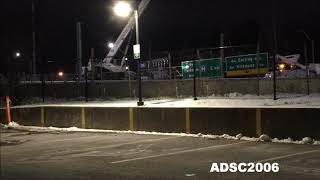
(264, 137)
(239, 136)
(4, 126)
(307, 140)
(13, 124)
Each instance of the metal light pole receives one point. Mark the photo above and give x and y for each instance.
(258, 69)
(307, 68)
(312, 43)
(79, 51)
(275, 49)
(312, 46)
(194, 81)
(86, 83)
(136, 17)
(34, 58)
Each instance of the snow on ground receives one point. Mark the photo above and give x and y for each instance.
(228, 100)
(264, 137)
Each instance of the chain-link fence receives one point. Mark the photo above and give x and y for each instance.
(38, 91)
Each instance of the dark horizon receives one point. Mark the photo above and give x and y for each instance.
(166, 25)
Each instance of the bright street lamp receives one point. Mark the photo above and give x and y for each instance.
(60, 74)
(17, 54)
(110, 45)
(122, 9)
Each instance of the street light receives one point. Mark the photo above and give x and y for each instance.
(60, 74)
(123, 9)
(17, 54)
(110, 45)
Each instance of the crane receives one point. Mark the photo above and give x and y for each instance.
(107, 62)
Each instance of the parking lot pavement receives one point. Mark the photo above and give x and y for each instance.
(76, 155)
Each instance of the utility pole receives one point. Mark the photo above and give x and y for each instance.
(79, 51)
(34, 58)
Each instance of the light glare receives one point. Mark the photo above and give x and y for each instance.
(122, 9)
(110, 45)
(282, 66)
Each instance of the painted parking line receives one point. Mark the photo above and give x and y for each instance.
(287, 156)
(69, 139)
(180, 152)
(84, 151)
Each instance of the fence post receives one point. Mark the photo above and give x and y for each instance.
(258, 69)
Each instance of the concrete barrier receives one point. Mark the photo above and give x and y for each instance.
(223, 121)
(159, 119)
(106, 118)
(276, 122)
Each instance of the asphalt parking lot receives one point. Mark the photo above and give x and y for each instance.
(79, 155)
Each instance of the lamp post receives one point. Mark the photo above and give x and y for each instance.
(123, 9)
(136, 17)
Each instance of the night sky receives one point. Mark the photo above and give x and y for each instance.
(165, 25)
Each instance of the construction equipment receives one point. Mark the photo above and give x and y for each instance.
(291, 60)
(108, 62)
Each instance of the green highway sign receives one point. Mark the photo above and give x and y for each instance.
(245, 62)
(204, 68)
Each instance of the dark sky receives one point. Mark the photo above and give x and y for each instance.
(166, 24)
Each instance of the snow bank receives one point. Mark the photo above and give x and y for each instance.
(264, 137)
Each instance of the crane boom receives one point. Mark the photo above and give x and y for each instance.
(107, 62)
